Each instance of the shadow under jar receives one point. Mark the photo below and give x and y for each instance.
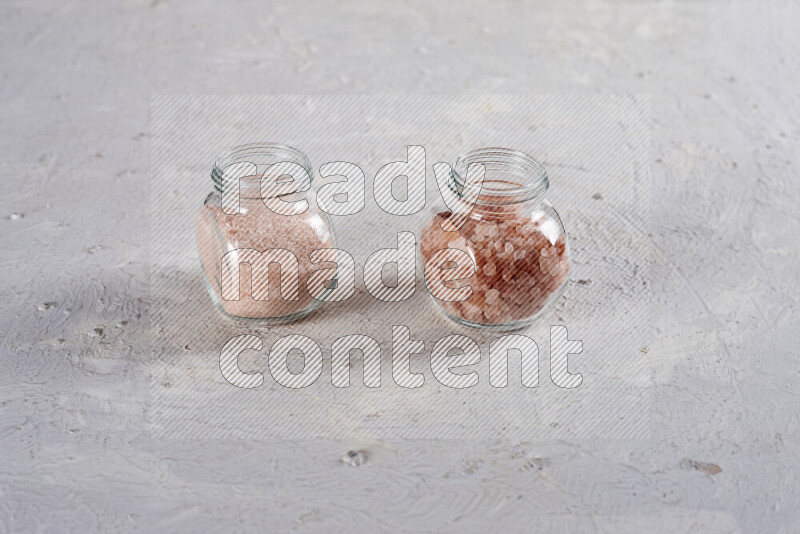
(513, 236)
(244, 235)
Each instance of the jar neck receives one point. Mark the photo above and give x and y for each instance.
(512, 180)
(262, 170)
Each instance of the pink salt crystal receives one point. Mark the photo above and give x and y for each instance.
(489, 269)
(537, 240)
(507, 275)
(553, 264)
(546, 263)
(509, 248)
(492, 313)
(492, 297)
(519, 254)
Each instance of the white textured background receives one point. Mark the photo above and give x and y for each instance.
(76, 439)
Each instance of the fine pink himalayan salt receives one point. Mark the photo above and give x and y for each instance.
(260, 229)
(517, 267)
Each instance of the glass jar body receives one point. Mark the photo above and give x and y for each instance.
(519, 253)
(256, 261)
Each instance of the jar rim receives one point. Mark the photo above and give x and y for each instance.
(524, 178)
(265, 154)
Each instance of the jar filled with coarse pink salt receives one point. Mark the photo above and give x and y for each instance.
(261, 243)
(509, 258)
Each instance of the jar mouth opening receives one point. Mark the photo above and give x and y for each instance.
(511, 176)
(252, 160)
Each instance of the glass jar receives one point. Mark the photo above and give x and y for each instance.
(514, 238)
(252, 224)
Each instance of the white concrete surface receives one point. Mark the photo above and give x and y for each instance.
(77, 442)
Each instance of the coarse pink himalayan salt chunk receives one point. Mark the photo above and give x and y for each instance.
(492, 297)
(518, 268)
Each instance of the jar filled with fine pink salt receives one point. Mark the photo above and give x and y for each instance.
(259, 238)
(509, 258)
